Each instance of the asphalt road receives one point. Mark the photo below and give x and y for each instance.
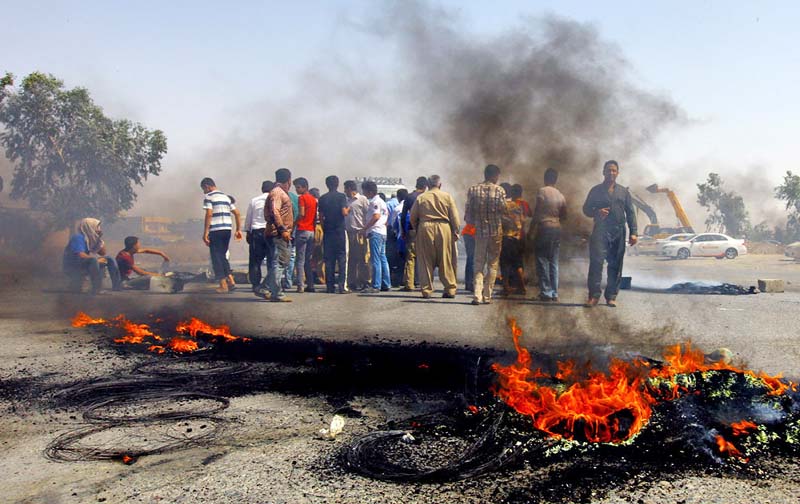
(270, 450)
(760, 329)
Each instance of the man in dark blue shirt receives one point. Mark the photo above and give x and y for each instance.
(332, 211)
(609, 204)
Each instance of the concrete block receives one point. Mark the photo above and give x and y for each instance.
(770, 285)
(165, 284)
(240, 277)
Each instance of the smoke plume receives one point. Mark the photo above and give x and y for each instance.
(424, 95)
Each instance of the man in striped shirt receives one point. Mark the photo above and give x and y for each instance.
(221, 213)
(486, 204)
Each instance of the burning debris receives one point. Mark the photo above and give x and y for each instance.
(197, 334)
(680, 408)
(726, 289)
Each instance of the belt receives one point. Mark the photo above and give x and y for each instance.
(435, 221)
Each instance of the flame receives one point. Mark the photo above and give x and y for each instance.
(683, 359)
(82, 320)
(606, 407)
(195, 326)
(182, 345)
(726, 446)
(742, 428)
(134, 333)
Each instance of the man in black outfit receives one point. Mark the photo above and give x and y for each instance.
(609, 204)
(332, 211)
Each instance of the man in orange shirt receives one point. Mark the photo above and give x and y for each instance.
(304, 235)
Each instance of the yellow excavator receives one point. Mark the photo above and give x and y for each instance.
(654, 229)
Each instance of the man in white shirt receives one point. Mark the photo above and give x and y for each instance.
(375, 231)
(254, 226)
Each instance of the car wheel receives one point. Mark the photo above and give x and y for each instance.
(731, 253)
(683, 253)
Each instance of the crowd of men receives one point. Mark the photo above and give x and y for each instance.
(361, 241)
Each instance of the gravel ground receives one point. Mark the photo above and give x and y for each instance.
(269, 450)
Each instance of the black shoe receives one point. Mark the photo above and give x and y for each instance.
(385, 289)
(448, 296)
(311, 289)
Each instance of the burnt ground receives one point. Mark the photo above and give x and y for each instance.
(282, 388)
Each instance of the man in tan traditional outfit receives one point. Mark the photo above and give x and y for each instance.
(435, 217)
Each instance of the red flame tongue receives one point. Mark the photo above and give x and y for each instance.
(82, 320)
(743, 428)
(728, 448)
(182, 345)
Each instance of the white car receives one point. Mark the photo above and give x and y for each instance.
(681, 237)
(705, 245)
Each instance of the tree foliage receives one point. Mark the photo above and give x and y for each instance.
(726, 209)
(69, 158)
(789, 192)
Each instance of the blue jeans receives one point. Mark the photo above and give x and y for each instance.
(280, 261)
(288, 275)
(304, 244)
(77, 268)
(380, 265)
(547, 244)
(469, 267)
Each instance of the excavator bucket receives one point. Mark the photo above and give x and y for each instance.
(652, 188)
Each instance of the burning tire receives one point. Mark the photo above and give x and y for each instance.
(683, 253)
(731, 253)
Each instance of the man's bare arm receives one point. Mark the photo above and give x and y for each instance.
(154, 252)
(207, 226)
(238, 220)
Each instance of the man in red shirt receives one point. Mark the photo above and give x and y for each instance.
(127, 264)
(304, 236)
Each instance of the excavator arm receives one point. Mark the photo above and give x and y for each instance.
(644, 207)
(676, 205)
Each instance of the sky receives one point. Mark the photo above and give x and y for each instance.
(195, 70)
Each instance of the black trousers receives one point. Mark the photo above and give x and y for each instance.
(259, 250)
(606, 245)
(334, 246)
(218, 248)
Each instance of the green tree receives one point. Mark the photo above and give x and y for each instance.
(69, 158)
(789, 192)
(726, 209)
